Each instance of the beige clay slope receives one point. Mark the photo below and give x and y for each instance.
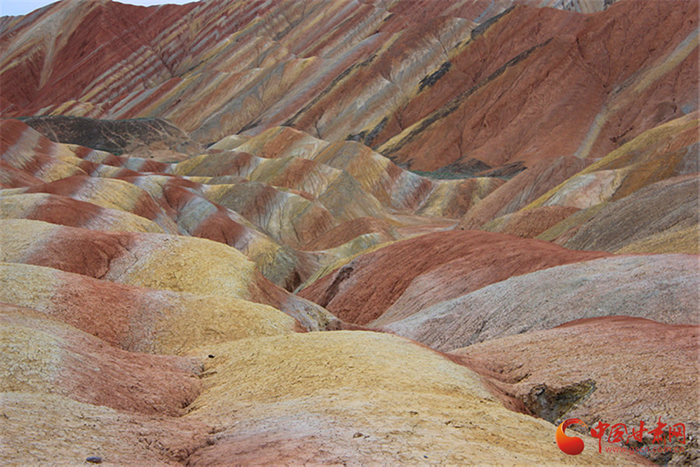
(343, 397)
(139, 319)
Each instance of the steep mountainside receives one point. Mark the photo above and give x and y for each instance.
(425, 93)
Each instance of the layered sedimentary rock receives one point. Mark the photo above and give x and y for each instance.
(189, 194)
(601, 369)
(522, 190)
(583, 290)
(650, 182)
(57, 209)
(667, 212)
(348, 231)
(283, 202)
(156, 261)
(351, 403)
(71, 363)
(288, 158)
(406, 276)
(665, 151)
(530, 223)
(384, 409)
(511, 106)
(252, 66)
(139, 319)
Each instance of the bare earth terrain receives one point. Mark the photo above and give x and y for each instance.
(365, 232)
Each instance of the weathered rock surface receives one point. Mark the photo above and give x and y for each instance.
(256, 218)
(414, 273)
(44, 356)
(137, 137)
(502, 100)
(351, 403)
(57, 209)
(197, 165)
(156, 261)
(50, 429)
(662, 217)
(138, 319)
(658, 287)
(663, 152)
(288, 158)
(650, 183)
(412, 69)
(521, 190)
(531, 222)
(627, 363)
(351, 230)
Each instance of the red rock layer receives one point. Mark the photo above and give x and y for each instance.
(176, 205)
(91, 371)
(350, 230)
(96, 36)
(521, 190)
(25, 149)
(537, 73)
(443, 78)
(111, 256)
(530, 223)
(456, 262)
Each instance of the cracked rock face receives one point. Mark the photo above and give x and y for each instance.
(614, 369)
(137, 137)
(552, 404)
